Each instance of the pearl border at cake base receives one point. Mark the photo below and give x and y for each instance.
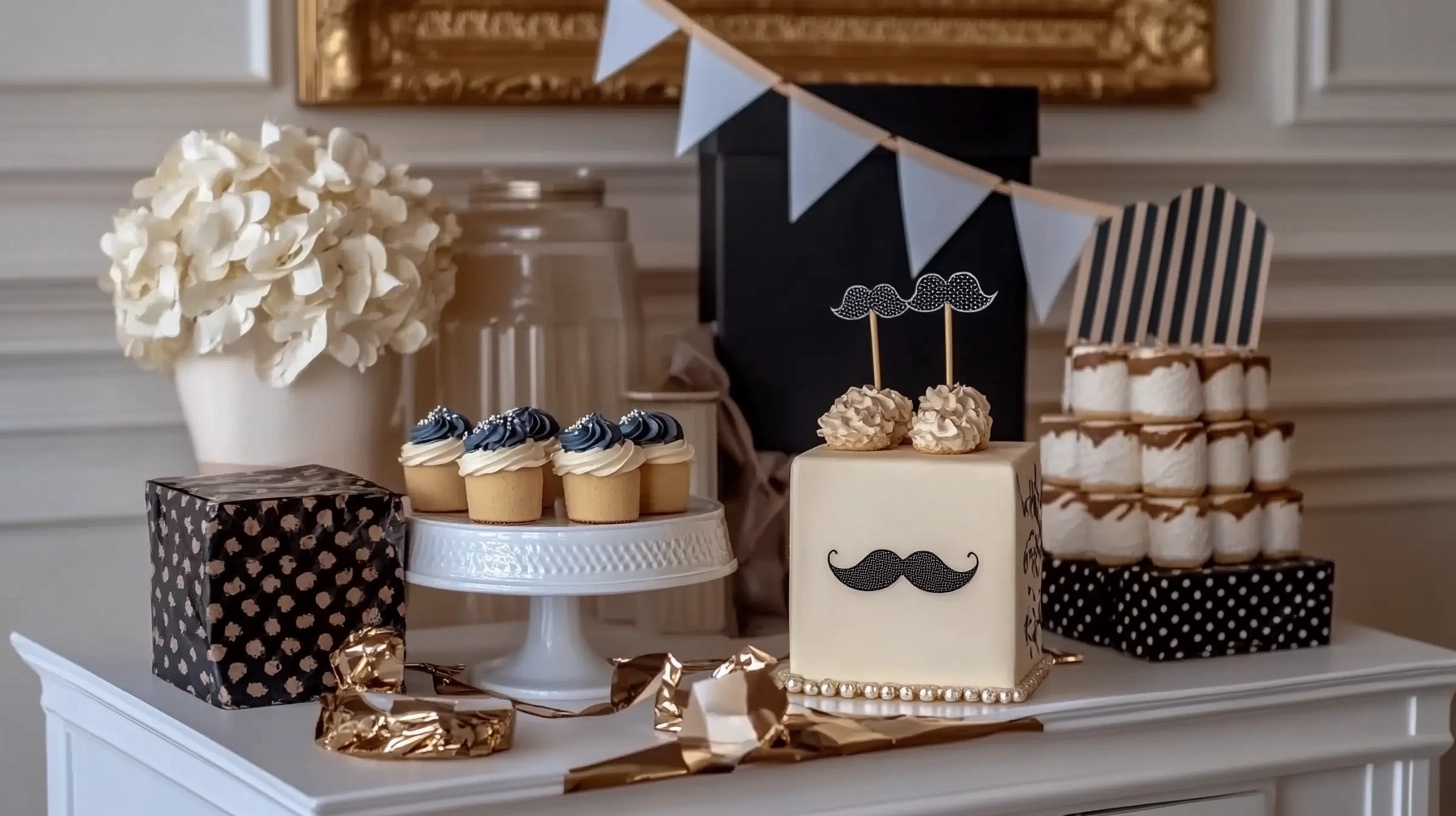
(797, 684)
(331, 415)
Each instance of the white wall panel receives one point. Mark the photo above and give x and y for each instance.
(1358, 62)
(138, 42)
(66, 317)
(1403, 43)
(51, 393)
(1312, 125)
(64, 477)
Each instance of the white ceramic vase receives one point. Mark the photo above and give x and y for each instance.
(330, 415)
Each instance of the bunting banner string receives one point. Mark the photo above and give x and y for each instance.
(868, 131)
(1200, 296)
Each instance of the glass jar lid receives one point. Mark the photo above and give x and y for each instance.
(526, 188)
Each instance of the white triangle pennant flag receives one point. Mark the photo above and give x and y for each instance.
(713, 90)
(821, 151)
(1051, 241)
(631, 29)
(935, 203)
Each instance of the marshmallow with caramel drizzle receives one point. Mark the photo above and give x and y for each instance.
(1117, 528)
(1065, 524)
(1221, 371)
(1272, 454)
(1236, 525)
(1174, 459)
(1179, 532)
(1230, 464)
(1109, 456)
(1163, 386)
(1257, 368)
(1059, 450)
(1099, 383)
(1283, 516)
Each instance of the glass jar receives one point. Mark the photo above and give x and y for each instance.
(545, 311)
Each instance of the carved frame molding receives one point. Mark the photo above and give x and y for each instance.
(542, 52)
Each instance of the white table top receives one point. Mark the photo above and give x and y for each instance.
(272, 748)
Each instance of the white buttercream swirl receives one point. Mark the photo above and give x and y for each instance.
(952, 419)
(618, 459)
(957, 399)
(866, 398)
(668, 453)
(945, 433)
(904, 415)
(858, 427)
(484, 462)
(440, 452)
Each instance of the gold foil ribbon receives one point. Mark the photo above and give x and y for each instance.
(1061, 658)
(403, 727)
(738, 714)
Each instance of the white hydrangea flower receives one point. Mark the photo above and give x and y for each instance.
(300, 243)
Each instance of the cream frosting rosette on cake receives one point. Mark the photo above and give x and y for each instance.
(431, 478)
(862, 419)
(502, 468)
(600, 470)
(667, 465)
(881, 402)
(952, 419)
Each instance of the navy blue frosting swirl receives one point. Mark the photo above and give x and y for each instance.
(497, 433)
(650, 427)
(439, 424)
(539, 425)
(591, 432)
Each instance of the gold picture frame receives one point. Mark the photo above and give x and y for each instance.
(542, 52)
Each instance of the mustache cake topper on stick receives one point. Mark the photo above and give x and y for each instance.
(960, 293)
(859, 301)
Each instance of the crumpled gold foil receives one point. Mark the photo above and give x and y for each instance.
(1061, 658)
(738, 714)
(370, 659)
(741, 714)
(369, 716)
(404, 727)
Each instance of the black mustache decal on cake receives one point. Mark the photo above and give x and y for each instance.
(923, 569)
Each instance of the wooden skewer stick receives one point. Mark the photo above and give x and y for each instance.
(875, 346)
(949, 354)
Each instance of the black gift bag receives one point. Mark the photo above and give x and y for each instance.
(769, 285)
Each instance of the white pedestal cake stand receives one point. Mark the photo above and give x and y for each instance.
(556, 562)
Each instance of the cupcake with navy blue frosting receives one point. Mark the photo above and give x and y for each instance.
(543, 428)
(667, 465)
(503, 468)
(429, 458)
(600, 470)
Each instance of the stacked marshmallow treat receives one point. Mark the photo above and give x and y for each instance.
(1168, 455)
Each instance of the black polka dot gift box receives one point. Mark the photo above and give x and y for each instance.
(257, 576)
(1078, 599)
(1174, 614)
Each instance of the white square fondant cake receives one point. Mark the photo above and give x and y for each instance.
(918, 570)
